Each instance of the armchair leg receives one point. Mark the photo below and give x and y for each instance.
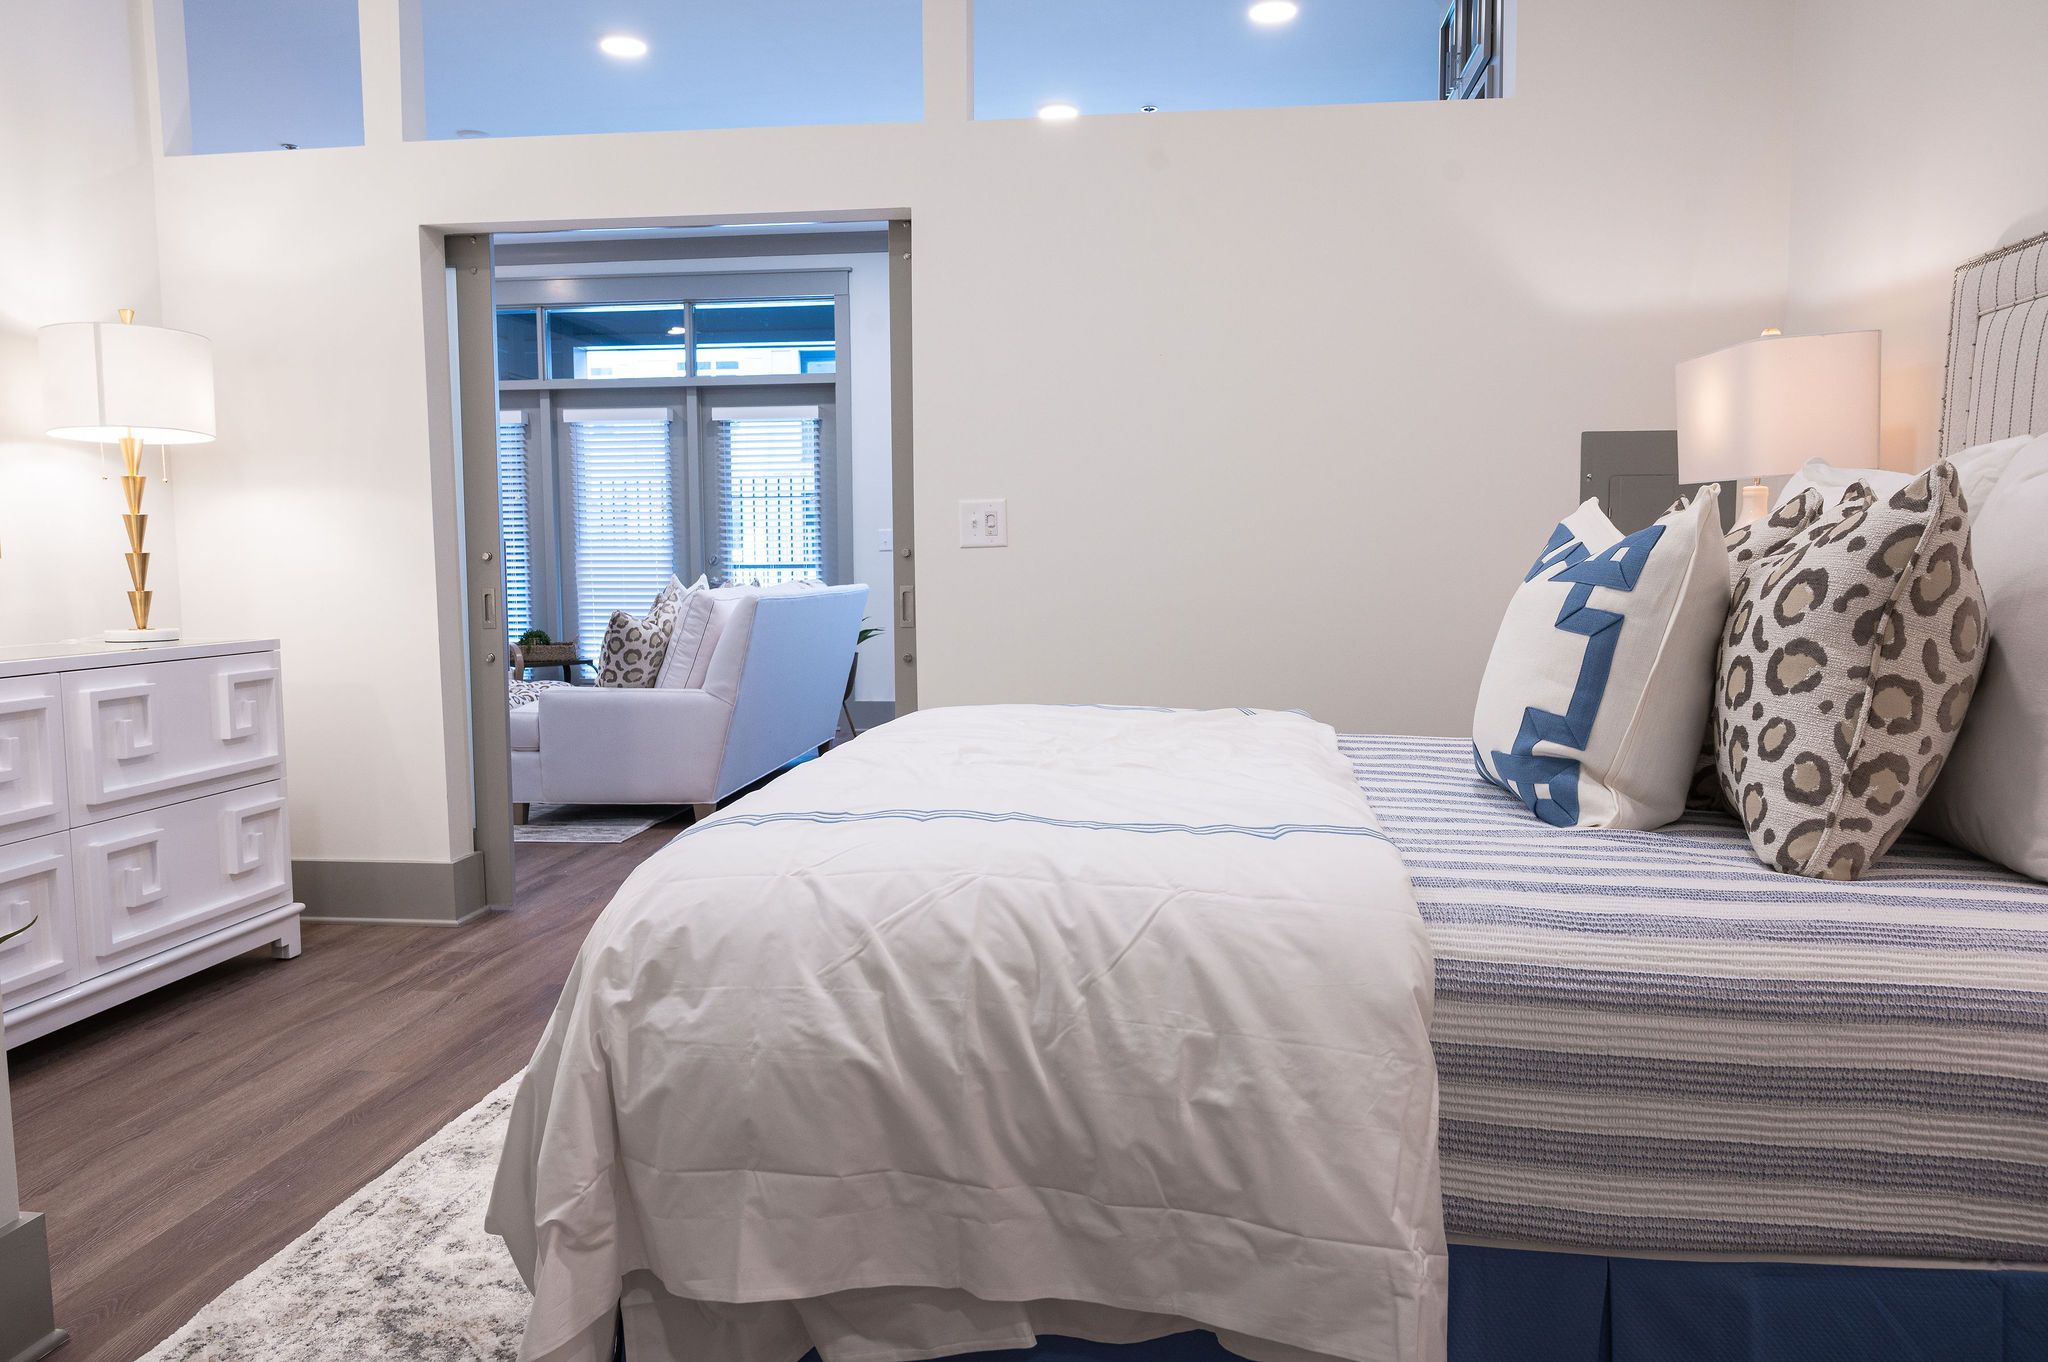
(519, 814)
(700, 812)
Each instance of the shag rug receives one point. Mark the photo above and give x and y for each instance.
(587, 822)
(400, 1272)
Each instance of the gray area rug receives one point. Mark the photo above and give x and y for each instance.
(401, 1270)
(588, 822)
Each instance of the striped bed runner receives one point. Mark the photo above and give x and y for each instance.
(1649, 1041)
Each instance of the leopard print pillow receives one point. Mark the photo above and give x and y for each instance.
(634, 648)
(1846, 667)
(1748, 545)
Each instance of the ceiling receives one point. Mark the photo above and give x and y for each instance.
(263, 73)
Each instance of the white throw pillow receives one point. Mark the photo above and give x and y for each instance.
(687, 638)
(1979, 467)
(1831, 482)
(1993, 795)
(1597, 691)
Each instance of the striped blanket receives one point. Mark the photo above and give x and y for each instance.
(1648, 1041)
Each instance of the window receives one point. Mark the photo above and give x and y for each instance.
(513, 522)
(1145, 56)
(771, 494)
(620, 470)
(263, 76)
(1468, 48)
(526, 68)
(776, 336)
(618, 341)
(518, 343)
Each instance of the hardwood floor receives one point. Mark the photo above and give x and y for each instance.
(179, 1140)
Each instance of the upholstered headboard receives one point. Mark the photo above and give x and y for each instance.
(1997, 378)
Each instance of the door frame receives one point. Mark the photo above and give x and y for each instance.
(467, 256)
(474, 357)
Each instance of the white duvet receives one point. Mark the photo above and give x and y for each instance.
(997, 1022)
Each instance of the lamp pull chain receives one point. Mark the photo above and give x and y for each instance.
(103, 461)
(163, 458)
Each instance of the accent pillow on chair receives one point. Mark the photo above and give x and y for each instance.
(1597, 690)
(1993, 794)
(1845, 670)
(634, 649)
(690, 639)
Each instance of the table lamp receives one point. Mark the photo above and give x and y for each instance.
(109, 382)
(1762, 408)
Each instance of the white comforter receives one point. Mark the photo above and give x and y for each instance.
(997, 1021)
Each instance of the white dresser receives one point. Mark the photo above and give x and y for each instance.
(142, 821)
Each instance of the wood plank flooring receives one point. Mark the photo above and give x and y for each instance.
(177, 1141)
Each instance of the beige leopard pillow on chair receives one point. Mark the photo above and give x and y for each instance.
(634, 648)
(1846, 667)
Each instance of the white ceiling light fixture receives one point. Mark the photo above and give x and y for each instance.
(1273, 12)
(1058, 112)
(624, 46)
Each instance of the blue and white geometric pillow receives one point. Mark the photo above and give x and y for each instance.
(1597, 690)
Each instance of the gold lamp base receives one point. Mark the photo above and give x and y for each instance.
(136, 523)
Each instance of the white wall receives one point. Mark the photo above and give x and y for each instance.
(1921, 140)
(77, 241)
(1281, 400)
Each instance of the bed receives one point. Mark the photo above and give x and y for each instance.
(1688, 1109)
(998, 1023)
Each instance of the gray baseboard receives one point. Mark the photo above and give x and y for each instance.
(28, 1326)
(433, 893)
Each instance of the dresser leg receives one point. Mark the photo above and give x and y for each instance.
(286, 947)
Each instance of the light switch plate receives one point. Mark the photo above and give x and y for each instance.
(985, 524)
(888, 540)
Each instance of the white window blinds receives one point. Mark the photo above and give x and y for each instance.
(772, 495)
(513, 522)
(625, 514)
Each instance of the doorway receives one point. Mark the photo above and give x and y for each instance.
(724, 405)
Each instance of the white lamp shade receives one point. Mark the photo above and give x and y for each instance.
(1766, 406)
(105, 380)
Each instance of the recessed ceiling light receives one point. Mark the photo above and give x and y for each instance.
(1149, 108)
(1273, 12)
(623, 45)
(1058, 113)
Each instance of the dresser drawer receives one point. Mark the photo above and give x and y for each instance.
(160, 732)
(35, 882)
(32, 800)
(152, 880)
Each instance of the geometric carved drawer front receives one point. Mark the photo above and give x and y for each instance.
(153, 879)
(31, 759)
(35, 883)
(159, 732)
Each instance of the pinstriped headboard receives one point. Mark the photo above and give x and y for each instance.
(1996, 383)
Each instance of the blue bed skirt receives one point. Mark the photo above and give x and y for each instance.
(1514, 1306)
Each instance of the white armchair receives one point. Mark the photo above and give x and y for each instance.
(778, 661)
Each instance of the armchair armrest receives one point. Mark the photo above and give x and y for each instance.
(602, 745)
